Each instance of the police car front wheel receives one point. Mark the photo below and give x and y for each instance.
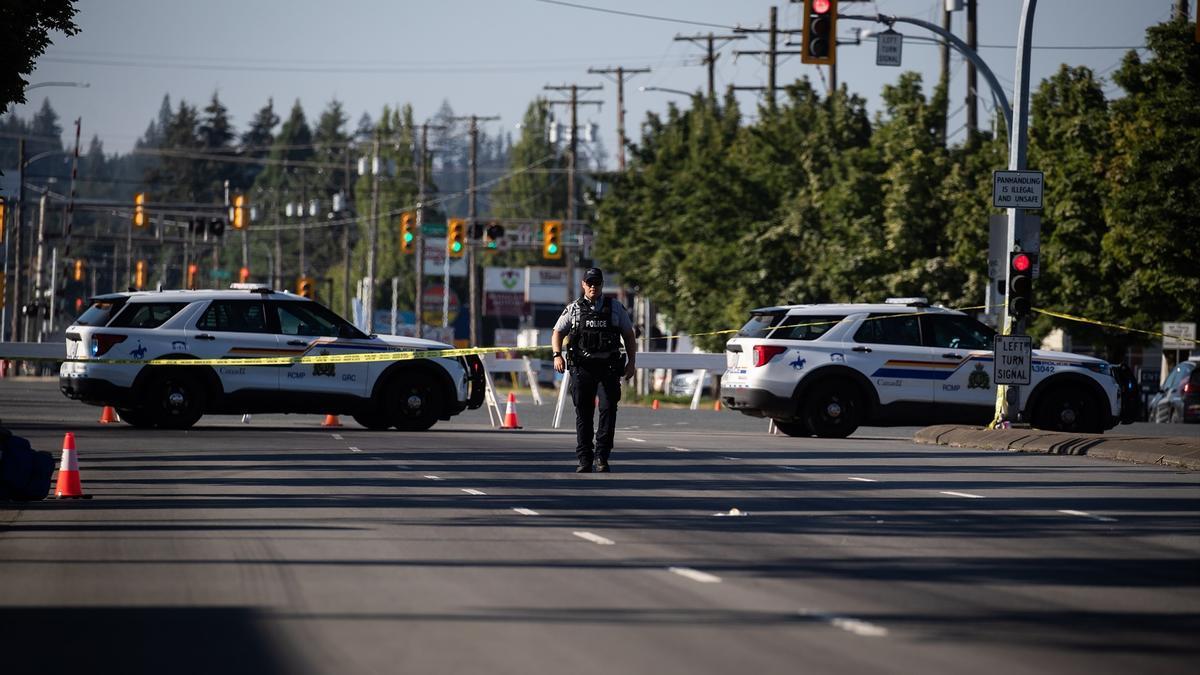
(414, 404)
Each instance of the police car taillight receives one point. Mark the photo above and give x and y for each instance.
(764, 353)
(102, 342)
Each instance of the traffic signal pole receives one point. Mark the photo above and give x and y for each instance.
(1008, 397)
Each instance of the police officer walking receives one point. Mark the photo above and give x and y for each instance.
(595, 327)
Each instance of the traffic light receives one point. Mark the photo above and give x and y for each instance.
(456, 237)
(191, 275)
(307, 287)
(819, 39)
(552, 239)
(77, 275)
(408, 225)
(139, 275)
(140, 218)
(216, 226)
(239, 212)
(1020, 284)
(244, 275)
(493, 234)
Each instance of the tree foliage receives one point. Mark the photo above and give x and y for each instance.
(24, 35)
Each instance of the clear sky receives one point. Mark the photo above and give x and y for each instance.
(492, 57)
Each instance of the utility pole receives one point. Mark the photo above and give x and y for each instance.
(419, 238)
(570, 222)
(620, 80)
(18, 227)
(476, 317)
(944, 80)
(711, 56)
(1181, 10)
(373, 236)
(345, 235)
(973, 45)
(773, 52)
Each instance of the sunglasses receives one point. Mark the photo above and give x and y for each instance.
(593, 282)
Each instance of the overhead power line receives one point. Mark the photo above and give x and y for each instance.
(635, 15)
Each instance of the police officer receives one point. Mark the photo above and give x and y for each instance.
(595, 327)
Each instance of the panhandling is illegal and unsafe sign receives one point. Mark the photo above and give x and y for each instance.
(1017, 189)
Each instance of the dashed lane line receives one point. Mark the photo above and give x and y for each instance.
(524, 511)
(677, 448)
(968, 495)
(862, 480)
(732, 458)
(848, 624)
(594, 538)
(636, 440)
(354, 449)
(473, 491)
(336, 437)
(695, 575)
(432, 477)
(1085, 514)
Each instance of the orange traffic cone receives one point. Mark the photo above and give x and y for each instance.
(654, 405)
(510, 413)
(68, 472)
(717, 405)
(331, 421)
(108, 415)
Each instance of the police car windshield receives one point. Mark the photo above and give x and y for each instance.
(760, 324)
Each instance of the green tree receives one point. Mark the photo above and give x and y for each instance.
(1070, 140)
(1154, 181)
(24, 35)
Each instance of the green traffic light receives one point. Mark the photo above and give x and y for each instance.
(408, 237)
(457, 246)
(552, 248)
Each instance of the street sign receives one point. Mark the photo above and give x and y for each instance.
(1017, 189)
(888, 47)
(1014, 359)
(1179, 335)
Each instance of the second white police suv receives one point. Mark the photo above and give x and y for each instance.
(823, 370)
(247, 321)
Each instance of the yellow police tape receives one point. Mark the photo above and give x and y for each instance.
(399, 355)
(1105, 324)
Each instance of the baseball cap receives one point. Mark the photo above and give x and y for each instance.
(593, 274)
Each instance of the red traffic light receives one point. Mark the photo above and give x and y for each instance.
(820, 6)
(1021, 262)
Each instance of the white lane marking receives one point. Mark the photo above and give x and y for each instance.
(791, 468)
(695, 575)
(636, 440)
(354, 449)
(432, 477)
(594, 538)
(1085, 514)
(733, 458)
(735, 511)
(337, 437)
(524, 511)
(968, 495)
(863, 480)
(473, 491)
(681, 424)
(677, 448)
(849, 624)
(656, 424)
(401, 466)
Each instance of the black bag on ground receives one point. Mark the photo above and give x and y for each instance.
(24, 472)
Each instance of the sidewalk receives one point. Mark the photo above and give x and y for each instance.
(1177, 452)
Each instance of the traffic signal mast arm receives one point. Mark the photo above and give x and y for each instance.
(958, 45)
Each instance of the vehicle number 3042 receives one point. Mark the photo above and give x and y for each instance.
(1043, 368)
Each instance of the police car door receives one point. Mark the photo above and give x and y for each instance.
(965, 347)
(308, 329)
(889, 352)
(236, 329)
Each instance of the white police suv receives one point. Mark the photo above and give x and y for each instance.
(824, 370)
(246, 321)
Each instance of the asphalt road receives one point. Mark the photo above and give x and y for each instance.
(283, 547)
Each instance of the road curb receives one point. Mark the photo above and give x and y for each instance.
(1177, 452)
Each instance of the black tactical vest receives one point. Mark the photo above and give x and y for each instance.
(596, 336)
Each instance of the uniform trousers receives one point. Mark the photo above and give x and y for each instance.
(589, 380)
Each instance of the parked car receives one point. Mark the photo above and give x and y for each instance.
(1178, 400)
(120, 330)
(824, 370)
(684, 384)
